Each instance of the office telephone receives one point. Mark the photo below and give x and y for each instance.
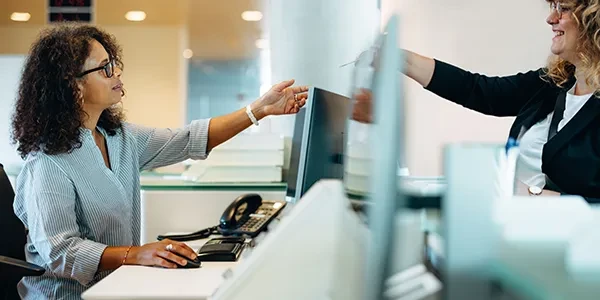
(247, 215)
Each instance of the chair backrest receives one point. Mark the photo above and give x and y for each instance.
(12, 231)
(14, 236)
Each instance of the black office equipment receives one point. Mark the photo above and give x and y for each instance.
(222, 249)
(191, 263)
(318, 144)
(248, 215)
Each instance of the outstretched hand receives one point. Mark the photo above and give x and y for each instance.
(283, 99)
(362, 110)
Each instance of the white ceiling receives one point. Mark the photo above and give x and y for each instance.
(216, 29)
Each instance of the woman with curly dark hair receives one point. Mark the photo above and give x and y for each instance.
(79, 190)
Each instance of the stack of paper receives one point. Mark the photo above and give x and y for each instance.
(249, 157)
(358, 162)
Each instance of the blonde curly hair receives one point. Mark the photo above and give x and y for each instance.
(587, 15)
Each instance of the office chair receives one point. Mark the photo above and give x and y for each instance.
(13, 266)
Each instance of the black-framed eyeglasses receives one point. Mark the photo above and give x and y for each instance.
(109, 69)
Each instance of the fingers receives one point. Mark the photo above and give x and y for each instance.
(298, 102)
(288, 84)
(302, 96)
(299, 89)
(301, 103)
(295, 107)
(362, 118)
(364, 95)
(170, 258)
(284, 84)
(160, 261)
(180, 248)
(183, 250)
(362, 106)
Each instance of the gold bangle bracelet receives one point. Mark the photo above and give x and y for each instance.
(126, 253)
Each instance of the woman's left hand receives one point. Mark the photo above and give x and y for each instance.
(283, 99)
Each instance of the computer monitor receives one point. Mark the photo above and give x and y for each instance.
(385, 132)
(318, 141)
(375, 137)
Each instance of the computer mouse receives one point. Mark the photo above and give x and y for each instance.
(196, 263)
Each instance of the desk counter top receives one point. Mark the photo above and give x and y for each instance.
(184, 185)
(158, 283)
(151, 181)
(154, 181)
(534, 274)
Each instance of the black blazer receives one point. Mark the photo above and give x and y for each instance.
(571, 159)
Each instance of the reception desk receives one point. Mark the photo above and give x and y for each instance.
(298, 256)
(171, 204)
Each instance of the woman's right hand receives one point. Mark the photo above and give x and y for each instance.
(157, 254)
(418, 67)
(363, 106)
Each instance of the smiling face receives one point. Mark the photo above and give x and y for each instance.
(576, 43)
(101, 88)
(566, 31)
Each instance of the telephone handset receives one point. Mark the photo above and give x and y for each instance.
(247, 215)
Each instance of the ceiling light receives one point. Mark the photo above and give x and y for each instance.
(252, 15)
(135, 16)
(261, 43)
(188, 53)
(20, 16)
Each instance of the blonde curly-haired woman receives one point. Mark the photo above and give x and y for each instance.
(557, 108)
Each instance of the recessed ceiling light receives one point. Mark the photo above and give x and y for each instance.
(252, 15)
(135, 15)
(20, 16)
(188, 53)
(261, 43)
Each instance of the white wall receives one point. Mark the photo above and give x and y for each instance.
(310, 39)
(485, 36)
(10, 70)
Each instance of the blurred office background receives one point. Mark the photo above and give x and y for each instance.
(192, 59)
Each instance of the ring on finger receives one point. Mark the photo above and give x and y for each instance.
(169, 247)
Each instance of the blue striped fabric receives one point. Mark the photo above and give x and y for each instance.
(74, 206)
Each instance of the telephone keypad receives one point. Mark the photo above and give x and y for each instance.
(259, 218)
(253, 224)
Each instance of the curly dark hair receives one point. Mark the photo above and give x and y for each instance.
(48, 112)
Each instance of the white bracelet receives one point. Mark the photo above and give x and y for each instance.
(251, 115)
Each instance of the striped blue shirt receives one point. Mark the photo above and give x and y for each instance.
(74, 206)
